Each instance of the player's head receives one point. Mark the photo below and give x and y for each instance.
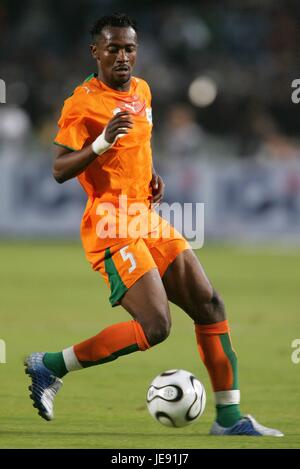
(114, 46)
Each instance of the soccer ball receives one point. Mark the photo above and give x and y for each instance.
(176, 398)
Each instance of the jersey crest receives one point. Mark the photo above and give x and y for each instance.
(132, 104)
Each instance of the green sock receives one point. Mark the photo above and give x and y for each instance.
(55, 362)
(228, 415)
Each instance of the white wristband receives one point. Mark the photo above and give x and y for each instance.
(100, 145)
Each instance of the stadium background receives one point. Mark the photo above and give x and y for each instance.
(225, 133)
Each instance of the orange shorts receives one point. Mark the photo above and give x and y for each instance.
(124, 260)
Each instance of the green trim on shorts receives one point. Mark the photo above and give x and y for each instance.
(117, 287)
(64, 146)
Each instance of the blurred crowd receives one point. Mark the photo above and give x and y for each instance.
(225, 127)
(249, 49)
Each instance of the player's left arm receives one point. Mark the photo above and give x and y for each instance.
(157, 187)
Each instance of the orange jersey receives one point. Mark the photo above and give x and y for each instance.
(122, 172)
(126, 168)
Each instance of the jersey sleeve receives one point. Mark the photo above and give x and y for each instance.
(147, 92)
(73, 131)
(148, 96)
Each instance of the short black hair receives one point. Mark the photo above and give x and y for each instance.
(119, 20)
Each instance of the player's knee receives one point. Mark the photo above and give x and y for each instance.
(210, 297)
(198, 295)
(207, 294)
(158, 334)
(159, 329)
(210, 311)
(215, 308)
(217, 302)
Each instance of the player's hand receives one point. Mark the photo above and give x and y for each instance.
(120, 124)
(158, 188)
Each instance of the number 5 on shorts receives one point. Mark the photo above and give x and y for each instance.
(128, 256)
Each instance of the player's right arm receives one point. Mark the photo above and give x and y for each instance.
(69, 164)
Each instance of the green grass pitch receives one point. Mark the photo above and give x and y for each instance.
(50, 299)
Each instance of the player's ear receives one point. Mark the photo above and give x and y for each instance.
(94, 51)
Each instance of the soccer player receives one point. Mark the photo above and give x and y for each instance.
(104, 140)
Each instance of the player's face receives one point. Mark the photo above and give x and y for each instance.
(115, 52)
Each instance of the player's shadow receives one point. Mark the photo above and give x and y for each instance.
(100, 434)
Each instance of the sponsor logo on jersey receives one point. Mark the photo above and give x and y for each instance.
(133, 104)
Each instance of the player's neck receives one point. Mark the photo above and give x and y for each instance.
(116, 86)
